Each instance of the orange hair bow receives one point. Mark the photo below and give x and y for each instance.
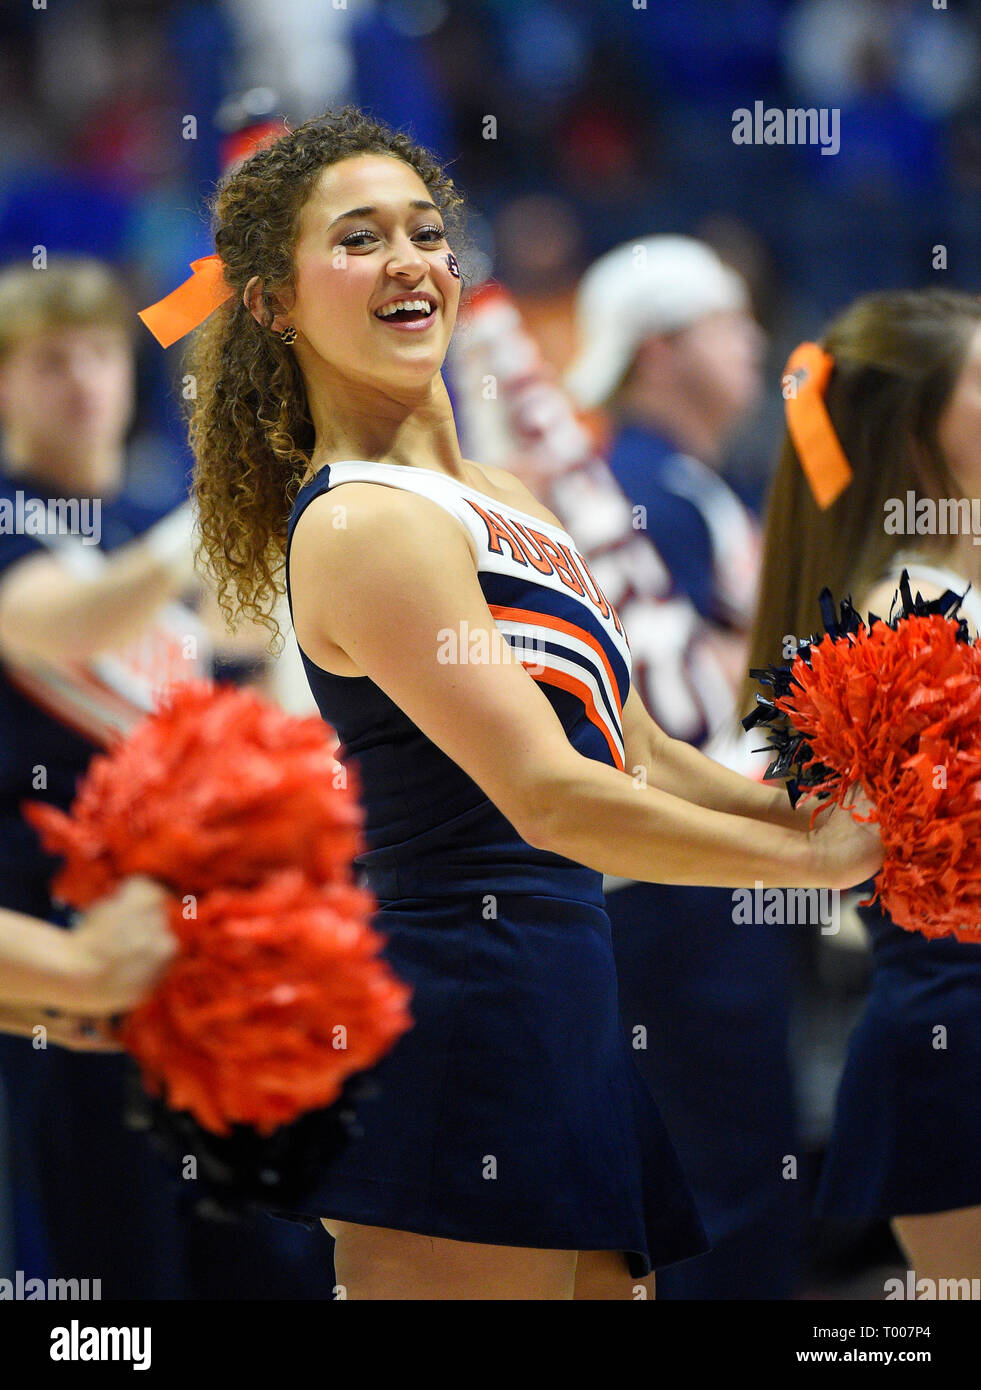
(190, 304)
(822, 458)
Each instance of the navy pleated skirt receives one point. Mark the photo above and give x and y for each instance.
(512, 1113)
(906, 1138)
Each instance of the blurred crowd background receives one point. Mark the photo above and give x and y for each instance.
(571, 126)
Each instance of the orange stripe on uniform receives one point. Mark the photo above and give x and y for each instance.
(527, 615)
(548, 676)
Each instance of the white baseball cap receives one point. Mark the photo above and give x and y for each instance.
(638, 290)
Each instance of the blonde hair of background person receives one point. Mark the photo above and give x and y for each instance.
(67, 383)
(66, 402)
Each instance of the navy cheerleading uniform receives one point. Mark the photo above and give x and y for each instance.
(906, 1137)
(512, 1112)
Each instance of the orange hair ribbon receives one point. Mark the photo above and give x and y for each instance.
(822, 458)
(190, 304)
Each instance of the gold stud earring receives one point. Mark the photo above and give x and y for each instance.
(288, 335)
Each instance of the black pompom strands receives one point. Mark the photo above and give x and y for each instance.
(794, 759)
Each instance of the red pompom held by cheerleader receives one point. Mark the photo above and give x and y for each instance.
(894, 706)
(277, 993)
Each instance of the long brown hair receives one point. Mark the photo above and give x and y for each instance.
(897, 356)
(249, 421)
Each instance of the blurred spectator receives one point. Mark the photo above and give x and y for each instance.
(538, 248)
(829, 46)
(90, 633)
(301, 48)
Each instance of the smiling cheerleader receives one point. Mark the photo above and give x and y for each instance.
(479, 679)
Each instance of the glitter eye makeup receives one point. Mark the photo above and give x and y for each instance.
(433, 233)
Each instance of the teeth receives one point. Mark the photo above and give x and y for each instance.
(389, 309)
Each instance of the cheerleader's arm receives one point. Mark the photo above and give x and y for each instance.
(676, 767)
(102, 966)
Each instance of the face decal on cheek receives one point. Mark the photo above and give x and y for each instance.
(453, 264)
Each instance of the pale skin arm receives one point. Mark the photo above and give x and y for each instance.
(104, 965)
(400, 574)
(680, 769)
(48, 611)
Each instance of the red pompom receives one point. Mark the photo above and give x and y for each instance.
(277, 993)
(218, 788)
(898, 709)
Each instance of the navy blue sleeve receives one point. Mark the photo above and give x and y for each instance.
(14, 545)
(680, 534)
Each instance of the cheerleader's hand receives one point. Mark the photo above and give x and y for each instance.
(121, 946)
(849, 851)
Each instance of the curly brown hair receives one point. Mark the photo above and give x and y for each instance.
(249, 421)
